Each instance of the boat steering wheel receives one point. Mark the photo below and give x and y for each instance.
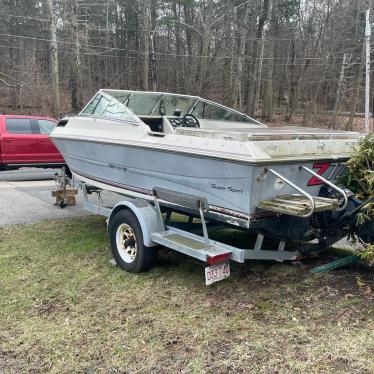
(190, 120)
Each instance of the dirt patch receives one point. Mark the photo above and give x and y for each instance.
(47, 307)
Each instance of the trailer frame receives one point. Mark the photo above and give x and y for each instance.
(156, 231)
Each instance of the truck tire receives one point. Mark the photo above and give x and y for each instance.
(126, 241)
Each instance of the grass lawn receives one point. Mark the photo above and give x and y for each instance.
(65, 309)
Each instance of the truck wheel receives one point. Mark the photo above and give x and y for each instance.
(126, 241)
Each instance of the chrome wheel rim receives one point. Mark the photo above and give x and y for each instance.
(126, 243)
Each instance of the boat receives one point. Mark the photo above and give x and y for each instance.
(254, 177)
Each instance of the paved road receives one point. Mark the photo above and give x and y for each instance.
(25, 197)
(31, 174)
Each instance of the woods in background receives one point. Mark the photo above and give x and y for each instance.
(257, 56)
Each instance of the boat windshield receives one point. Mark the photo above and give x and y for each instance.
(122, 104)
(208, 110)
(150, 103)
(103, 105)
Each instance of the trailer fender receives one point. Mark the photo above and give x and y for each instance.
(146, 215)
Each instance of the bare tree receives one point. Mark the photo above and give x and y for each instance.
(247, 54)
(54, 60)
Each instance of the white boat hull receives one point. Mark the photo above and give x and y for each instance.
(232, 189)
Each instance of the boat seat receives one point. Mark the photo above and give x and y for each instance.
(155, 123)
(158, 124)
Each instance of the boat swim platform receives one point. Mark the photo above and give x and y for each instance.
(298, 205)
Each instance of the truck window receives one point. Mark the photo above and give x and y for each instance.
(18, 125)
(46, 126)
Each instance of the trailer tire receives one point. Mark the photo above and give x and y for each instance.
(126, 241)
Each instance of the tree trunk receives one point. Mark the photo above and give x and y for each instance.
(228, 50)
(292, 86)
(76, 102)
(268, 101)
(356, 91)
(54, 61)
(267, 111)
(237, 86)
(147, 27)
(177, 47)
(203, 59)
(251, 103)
(338, 94)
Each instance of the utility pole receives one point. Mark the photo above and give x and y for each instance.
(367, 82)
(54, 60)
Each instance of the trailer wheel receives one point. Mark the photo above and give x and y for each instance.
(126, 241)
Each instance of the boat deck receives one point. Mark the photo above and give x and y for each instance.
(268, 133)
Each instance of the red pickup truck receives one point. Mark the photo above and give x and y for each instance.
(24, 141)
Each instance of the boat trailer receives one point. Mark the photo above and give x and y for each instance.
(156, 231)
(137, 227)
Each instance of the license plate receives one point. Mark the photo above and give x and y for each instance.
(216, 273)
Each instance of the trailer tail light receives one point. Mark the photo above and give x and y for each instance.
(218, 259)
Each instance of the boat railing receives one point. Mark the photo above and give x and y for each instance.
(313, 201)
(297, 188)
(332, 185)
